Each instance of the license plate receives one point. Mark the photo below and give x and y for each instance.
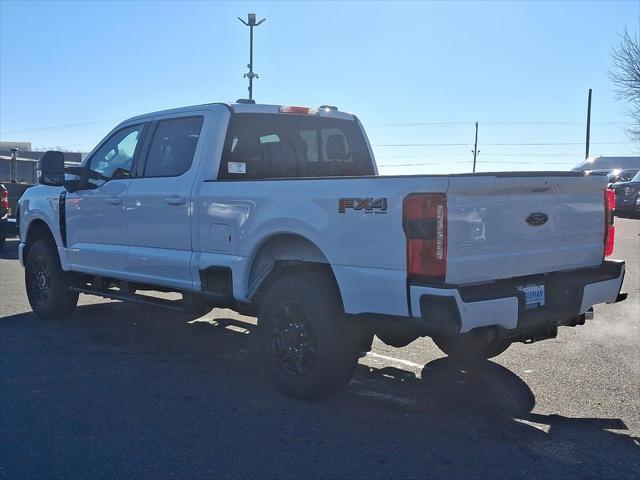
(533, 295)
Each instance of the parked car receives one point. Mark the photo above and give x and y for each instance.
(610, 163)
(278, 212)
(619, 175)
(628, 196)
(9, 196)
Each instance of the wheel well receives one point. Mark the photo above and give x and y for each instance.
(285, 254)
(38, 230)
(285, 268)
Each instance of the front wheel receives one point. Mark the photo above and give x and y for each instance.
(475, 345)
(307, 346)
(48, 286)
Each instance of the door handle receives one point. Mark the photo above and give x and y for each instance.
(175, 200)
(113, 201)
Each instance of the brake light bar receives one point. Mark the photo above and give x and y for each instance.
(609, 229)
(425, 226)
(302, 110)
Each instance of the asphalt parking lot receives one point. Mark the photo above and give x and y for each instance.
(125, 391)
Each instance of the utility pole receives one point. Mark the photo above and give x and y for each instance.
(475, 150)
(14, 165)
(586, 154)
(251, 22)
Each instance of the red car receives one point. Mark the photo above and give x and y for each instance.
(4, 214)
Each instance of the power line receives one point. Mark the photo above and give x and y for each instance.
(436, 124)
(421, 145)
(534, 154)
(514, 123)
(510, 154)
(65, 125)
(494, 144)
(465, 162)
(421, 164)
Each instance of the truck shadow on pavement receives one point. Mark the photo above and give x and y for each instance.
(179, 388)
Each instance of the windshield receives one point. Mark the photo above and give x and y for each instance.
(636, 177)
(259, 146)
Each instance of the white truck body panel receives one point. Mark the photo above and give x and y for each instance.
(97, 228)
(309, 208)
(489, 239)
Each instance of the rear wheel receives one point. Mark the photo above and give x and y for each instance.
(48, 286)
(307, 346)
(475, 345)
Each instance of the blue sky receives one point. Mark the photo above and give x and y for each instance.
(439, 65)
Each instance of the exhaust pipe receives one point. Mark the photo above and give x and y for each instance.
(588, 315)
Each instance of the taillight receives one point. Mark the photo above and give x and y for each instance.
(4, 200)
(609, 229)
(425, 225)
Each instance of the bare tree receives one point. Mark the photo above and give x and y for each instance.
(625, 75)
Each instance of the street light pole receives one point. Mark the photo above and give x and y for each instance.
(251, 22)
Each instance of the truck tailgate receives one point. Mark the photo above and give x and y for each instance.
(490, 238)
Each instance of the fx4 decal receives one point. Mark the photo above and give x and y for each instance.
(367, 205)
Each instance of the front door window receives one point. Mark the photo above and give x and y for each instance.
(114, 159)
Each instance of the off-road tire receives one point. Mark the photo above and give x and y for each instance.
(475, 345)
(48, 286)
(303, 313)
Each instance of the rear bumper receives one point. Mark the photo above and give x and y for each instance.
(453, 309)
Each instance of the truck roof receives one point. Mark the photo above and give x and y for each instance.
(242, 107)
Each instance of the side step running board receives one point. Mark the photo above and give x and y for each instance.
(179, 305)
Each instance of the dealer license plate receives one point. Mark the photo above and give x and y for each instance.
(533, 295)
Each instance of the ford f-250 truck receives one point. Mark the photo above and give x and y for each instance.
(278, 212)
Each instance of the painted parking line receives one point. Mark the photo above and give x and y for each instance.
(395, 360)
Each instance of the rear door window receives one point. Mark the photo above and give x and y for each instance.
(172, 147)
(262, 146)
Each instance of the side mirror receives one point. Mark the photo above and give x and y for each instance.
(52, 168)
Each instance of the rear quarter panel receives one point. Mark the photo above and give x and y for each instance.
(366, 249)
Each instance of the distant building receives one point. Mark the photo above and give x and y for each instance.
(19, 145)
(19, 164)
(609, 163)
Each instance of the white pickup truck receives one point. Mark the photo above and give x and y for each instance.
(278, 212)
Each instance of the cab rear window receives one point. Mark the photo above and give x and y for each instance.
(263, 146)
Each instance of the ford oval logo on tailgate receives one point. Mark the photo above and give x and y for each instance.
(537, 218)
